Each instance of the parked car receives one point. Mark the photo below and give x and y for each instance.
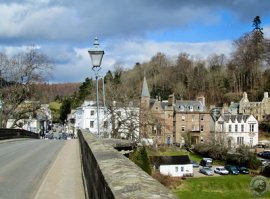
(243, 170)
(207, 171)
(206, 162)
(194, 163)
(221, 171)
(232, 169)
(264, 154)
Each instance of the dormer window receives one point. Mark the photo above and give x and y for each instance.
(181, 107)
(191, 108)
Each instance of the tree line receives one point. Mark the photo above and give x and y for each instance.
(220, 78)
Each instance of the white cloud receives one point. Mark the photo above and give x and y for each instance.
(62, 29)
(127, 53)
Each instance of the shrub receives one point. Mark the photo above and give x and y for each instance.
(266, 171)
(168, 181)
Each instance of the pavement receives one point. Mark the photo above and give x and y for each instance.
(64, 178)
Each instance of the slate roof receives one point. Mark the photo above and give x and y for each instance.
(181, 105)
(161, 103)
(234, 106)
(235, 118)
(169, 160)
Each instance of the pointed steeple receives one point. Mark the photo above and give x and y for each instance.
(145, 90)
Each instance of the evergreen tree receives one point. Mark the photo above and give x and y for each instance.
(65, 109)
(85, 89)
(141, 158)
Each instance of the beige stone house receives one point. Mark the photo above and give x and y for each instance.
(260, 110)
(156, 118)
(192, 121)
(171, 121)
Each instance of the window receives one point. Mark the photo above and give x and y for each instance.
(158, 129)
(183, 118)
(236, 128)
(193, 118)
(193, 127)
(242, 128)
(182, 169)
(202, 117)
(91, 124)
(251, 141)
(154, 129)
(251, 128)
(176, 169)
(202, 128)
(240, 140)
(92, 112)
(183, 128)
(230, 128)
(105, 124)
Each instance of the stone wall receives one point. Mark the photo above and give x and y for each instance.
(16, 133)
(110, 175)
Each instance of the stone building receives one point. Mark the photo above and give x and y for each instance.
(156, 118)
(168, 122)
(192, 121)
(260, 110)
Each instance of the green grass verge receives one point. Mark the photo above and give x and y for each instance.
(222, 187)
(167, 151)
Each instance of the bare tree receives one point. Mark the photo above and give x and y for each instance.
(18, 75)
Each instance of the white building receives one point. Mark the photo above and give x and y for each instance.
(175, 166)
(236, 130)
(124, 121)
(38, 121)
(86, 118)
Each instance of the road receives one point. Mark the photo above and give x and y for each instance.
(23, 165)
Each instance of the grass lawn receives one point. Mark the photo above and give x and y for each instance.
(222, 187)
(174, 151)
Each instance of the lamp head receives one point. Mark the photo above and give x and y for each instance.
(96, 54)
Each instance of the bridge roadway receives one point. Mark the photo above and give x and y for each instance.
(40, 169)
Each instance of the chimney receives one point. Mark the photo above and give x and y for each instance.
(265, 94)
(171, 100)
(201, 99)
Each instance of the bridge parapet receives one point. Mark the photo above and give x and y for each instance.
(110, 175)
(6, 133)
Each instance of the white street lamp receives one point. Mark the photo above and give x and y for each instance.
(96, 55)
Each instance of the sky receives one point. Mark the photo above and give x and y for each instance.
(128, 31)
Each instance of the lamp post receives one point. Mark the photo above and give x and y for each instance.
(1, 112)
(96, 55)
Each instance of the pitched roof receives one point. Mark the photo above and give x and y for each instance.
(145, 91)
(235, 118)
(185, 105)
(169, 160)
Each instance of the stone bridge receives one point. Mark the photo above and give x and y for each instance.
(110, 175)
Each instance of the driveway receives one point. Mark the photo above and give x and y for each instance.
(197, 174)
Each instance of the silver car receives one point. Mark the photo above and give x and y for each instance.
(221, 171)
(207, 171)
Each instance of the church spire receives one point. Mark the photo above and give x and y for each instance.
(145, 91)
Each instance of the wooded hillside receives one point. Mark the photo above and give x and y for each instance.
(219, 78)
